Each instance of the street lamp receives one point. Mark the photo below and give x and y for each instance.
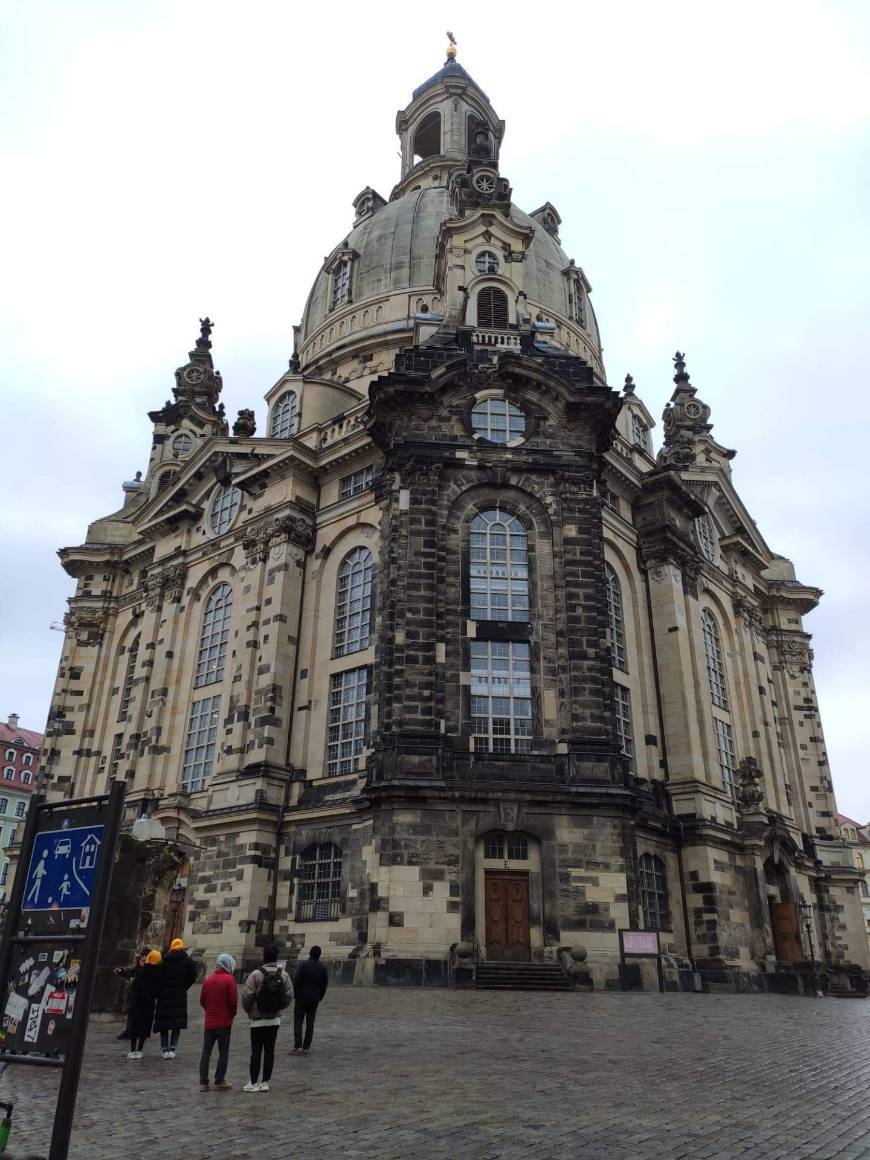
(806, 911)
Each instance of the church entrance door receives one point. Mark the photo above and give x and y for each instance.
(786, 940)
(507, 917)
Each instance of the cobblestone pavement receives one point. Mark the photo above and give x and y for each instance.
(482, 1075)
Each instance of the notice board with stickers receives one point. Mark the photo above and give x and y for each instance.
(48, 957)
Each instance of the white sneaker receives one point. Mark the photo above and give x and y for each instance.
(264, 1087)
(166, 1055)
(131, 1054)
(253, 1087)
(172, 1054)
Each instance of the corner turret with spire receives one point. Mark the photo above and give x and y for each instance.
(686, 421)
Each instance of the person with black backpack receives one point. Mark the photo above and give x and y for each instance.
(267, 991)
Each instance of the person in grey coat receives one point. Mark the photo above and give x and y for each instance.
(266, 993)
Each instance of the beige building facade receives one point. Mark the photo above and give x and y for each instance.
(448, 664)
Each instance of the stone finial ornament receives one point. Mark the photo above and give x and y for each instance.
(749, 792)
(685, 419)
(628, 389)
(246, 424)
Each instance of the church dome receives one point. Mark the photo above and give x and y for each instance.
(393, 263)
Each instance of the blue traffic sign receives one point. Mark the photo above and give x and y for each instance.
(63, 869)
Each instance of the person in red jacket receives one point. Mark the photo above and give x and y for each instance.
(219, 999)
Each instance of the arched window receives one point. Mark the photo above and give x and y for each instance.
(318, 890)
(285, 415)
(9, 773)
(129, 676)
(498, 567)
(427, 139)
(353, 602)
(492, 308)
(715, 663)
(498, 420)
(11, 755)
(615, 620)
(27, 759)
(654, 897)
(26, 777)
(215, 636)
(706, 536)
(182, 444)
(224, 509)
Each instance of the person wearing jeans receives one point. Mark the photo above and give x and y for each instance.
(219, 999)
(177, 976)
(267, 991)
(312, 979)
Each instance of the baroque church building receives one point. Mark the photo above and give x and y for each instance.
(447, 666)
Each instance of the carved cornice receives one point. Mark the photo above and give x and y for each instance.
(751, 615)
(259, 539)
(165, 585)
(793, 652)
(88, 622)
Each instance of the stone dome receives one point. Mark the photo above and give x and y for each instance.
(394, 260)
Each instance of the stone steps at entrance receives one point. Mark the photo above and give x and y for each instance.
(491, 976)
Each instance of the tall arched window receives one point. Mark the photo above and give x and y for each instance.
(492, 308)
(129, 676)
(27, 759)
(353, 602)
(715, 663)
(215, 636)
(706, 536)
(285, 415)
(616, 624)
(654, 898)
(499, 567)
(318, 891)
(427, 138)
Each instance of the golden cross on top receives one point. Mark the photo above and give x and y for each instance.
(451, 48)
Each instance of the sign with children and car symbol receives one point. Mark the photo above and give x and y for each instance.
(60, 880)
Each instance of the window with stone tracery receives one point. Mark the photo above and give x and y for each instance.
(624, 732)
(498, 567)
(318, 883)
(654, 893)
(501, 696)
(129, 676)
(341, 283)
(715, 662)
(214, 638)
(616, 623)
(285, 416)
(353, 602)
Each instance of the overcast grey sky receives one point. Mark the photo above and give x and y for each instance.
(165, 161)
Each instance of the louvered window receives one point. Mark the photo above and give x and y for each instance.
(492, 308)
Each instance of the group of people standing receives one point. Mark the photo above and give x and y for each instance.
(159, 1000)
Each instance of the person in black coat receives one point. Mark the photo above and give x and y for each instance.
(130, 973)
(143, 997)
(309, 987)
(178, 974)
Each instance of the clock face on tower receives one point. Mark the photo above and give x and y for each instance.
(194, 375)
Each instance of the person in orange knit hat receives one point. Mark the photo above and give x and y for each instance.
(177, 976)
(143, 996)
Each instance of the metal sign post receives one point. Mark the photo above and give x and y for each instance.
(48, 959)
(640, 944)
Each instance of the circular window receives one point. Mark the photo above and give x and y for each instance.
(182, 444)
(224, 509)
(498, 421)
(486, 262)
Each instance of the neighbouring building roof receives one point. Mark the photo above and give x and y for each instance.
(31, 739)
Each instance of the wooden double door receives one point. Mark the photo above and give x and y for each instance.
(507, 916)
